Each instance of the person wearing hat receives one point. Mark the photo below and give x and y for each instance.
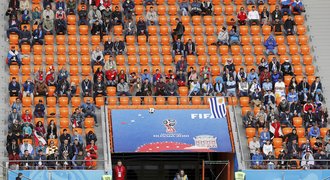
(60, 25)
(25, 37)
(39, 110)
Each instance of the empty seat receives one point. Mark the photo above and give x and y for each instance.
(250, 132)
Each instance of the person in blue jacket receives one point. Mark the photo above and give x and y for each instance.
(314, 131)
(252, 75)
(297, 7)
(270, 45)
(264, 136)
(257, 160)
(292, 96)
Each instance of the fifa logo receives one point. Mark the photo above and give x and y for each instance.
(169, 125)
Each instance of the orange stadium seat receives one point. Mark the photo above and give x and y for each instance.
(160, 100)
(215, 70)
(217, 10)
(244, 101)
(250, 132)
(245, 110)
(307, 59)
(207, 20)
(148, 100)
(245, 40)
(247, 50)
(256, 40)
(286, 130)
(255, 30)
(303, 40)
(266, 30)
(229, 9)
(301, 29)
(224, 50)
(219, 20)
(309, 70)
(196, 20)
(277, 142)
(300, 132)
(83, 30)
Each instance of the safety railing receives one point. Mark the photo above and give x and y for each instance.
(242, 159)
(287, 164)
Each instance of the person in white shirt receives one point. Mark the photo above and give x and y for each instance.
(267, 148)
(97, 57)
(26, 146)
(48, 13)
(279, 88)
(24, 5)
(243, 87)
(151, 17)
(253, 16)
(223, 37)
(307, 160)
(254, 145)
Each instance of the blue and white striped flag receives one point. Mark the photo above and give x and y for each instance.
(218, 107)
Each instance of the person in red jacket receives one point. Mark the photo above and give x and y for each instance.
(88, 161)
(242, 16)
(14, 160)
(119, 171)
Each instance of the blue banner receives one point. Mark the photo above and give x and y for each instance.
(287, 174)
(169, 131)
(58, 174)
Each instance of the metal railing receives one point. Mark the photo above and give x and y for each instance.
(242, 159)
(106, 140)
(287, 164)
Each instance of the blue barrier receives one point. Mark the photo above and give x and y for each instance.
(169, 131)
(58, 174)
(287, 174)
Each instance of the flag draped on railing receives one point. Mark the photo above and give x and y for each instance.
(218, 107)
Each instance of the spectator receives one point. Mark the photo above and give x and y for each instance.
(289, 26)
(181, 65)
(234, 36)
(264, 137)
(274, 65)
(14, 26)
(257, 160)
(78, 160)
(196, 8)
(88, 161)
(97, 57)
(152, 17)
(160, 87)
(117, 17)
(14, 57)
(206, 7)
(242, 17)
(99, 88)
(27, 131)
(82, 14)
(129, 28)
(92, 149)
(119, 47)
(50, 77)
(293, 148)
(264, 16)
(61, 12)
(295, 109)
(65, 136)
(90, 136)
(195, 88)
(128, 7)
(286, 7)
(275, 129)
(267, 148)
(97, 29)
(316, 85)
(240, 75)
(181, 78)
(60, 5)
(26, 160)
(249, 121)
(184, 7)
(231, 87)
(77, 137)
(297, 7)
(71, 7)
(146, 88)
(292, 96)
(264, 75)
(77, 118)
(26, 146)
(145, 75)
(223, 37)
(14, 160)
(63, 88)
(251, 2)
(36, 16)
(86, 86)
(40, 159)
(24, 37)
(141, 27)
(283, 105)
(108, 47)
(256, 97)
(14, 4)
(39, 35)
(178, 48)
(270, 45)
(190, 48)
(279, 88)
(120, 171)
(123, 88)
(89, 110)
(40, 88)
(14, 87)
(307, 161)
(94, 14)
(48, 12)
(252, 75)
(277, 14)
(253, 16)
(111, 77)
(12, 146)
(171, 88)
(207, 88)
(65, 147)
(17, 104)
(243, 87)
(277, 27)
(178, 31)
(53, 160)
(39, 110)
(40, 129)
(314, 131)
(322, 157)
(51, 149)
(60, 25)
(286, 118)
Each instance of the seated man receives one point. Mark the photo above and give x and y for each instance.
(253, 16)
(97, 29)
(297, 7)
(130, 28)
(14, 87)
(14, 26)
(270, 45)
(178, 31)
(26, 146)
(277, 14)
(314, 131)
(97, 57)
(77, 118)
(190, 48)
(63, 88)
(38, 36)
(242, 17)
(286, 7)
(13, 116)
(177, 48)
(27, 160)
(82, 14)
(48, 25)
(39, 110)
(86, 87)
(231, 87)
(40, 88)
(141, 27)
(195, 88)
(172, 88)
(161, 88)
(14, 56)
(257, 160)
(99, 88)
(28, 88)
(181, 65)
(289, 26)
(119, 46)
(94, 14)
(60, 25)
(207, 88)
(196, 8)
(123, 88)
(223, 37)
(184, 7)
(243, 87)
(108, 47)
(88, 109)
(128, 7)
(145, 75)
(206, 7)
(251, 2)
(152, 17)
(111, 77)
(157, 77)
(25, 36)
(117, 17)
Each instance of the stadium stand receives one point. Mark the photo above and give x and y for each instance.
(68, 58)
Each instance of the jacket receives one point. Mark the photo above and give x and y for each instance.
(270, 43)
(257, 159)
(314, 132)
(122, 87)
(179, 28)
(15, 87)
(152, 16)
